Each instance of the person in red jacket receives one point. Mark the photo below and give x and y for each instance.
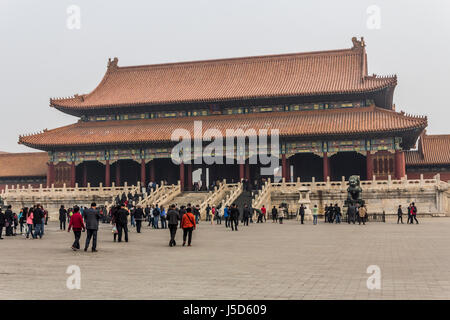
(188, 225)
(77, 223)
(263, 211)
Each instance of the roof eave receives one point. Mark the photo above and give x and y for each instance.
(78, 110)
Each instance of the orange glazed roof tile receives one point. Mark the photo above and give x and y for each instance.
(301, 74)
(30, 164)
(433, 149)
(294, 123)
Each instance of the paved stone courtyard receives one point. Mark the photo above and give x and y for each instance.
(262, 261)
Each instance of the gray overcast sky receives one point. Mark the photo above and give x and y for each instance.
(41, 58)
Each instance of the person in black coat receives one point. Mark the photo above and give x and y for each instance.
(352, 211)
(331, 213)
(9, 220)
(274, 214)
(138, 217)
(122, 222)
(173, 217)
(208, 213)
(326, 213)
(400, 214)
(38, 215)
(2, 223)
(234, 217)
(337, 213)
(246, 214)
(62, 218)
(196, 212)
(301, 212)
(92, 218)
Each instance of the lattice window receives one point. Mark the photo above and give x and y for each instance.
(383, 164)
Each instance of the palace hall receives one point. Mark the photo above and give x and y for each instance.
(334, 120)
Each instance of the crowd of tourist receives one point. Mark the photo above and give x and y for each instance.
(31, 221)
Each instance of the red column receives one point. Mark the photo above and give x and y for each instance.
(288, 170)
(283, 166)
(203, 177)
(247, 171)
(107, 174)
(84, 174)
(117, 173)
(143, 173)
(152, 171)
(72, 174)
(241, 171)
(189, 177)
(399, 164)
(326, 166)
(182, 176)
(403, 164)
(50, 174)
(369, 166)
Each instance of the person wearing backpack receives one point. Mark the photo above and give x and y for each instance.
(188, 225)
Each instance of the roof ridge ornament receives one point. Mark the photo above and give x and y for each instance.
(112, 64)
(358, 44)
(79, 97)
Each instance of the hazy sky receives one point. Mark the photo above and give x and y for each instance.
(40, 57)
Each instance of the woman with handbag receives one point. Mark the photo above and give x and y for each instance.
(114, 210)
(188, 225)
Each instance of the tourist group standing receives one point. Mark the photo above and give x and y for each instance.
(32, 220)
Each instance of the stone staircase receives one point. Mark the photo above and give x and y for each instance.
(245, 198)
(192, 197)
(162, 195)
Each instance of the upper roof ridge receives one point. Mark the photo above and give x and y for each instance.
(244, 59)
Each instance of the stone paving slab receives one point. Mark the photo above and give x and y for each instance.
(262, 261)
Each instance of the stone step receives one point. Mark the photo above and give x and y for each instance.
(194, 198)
